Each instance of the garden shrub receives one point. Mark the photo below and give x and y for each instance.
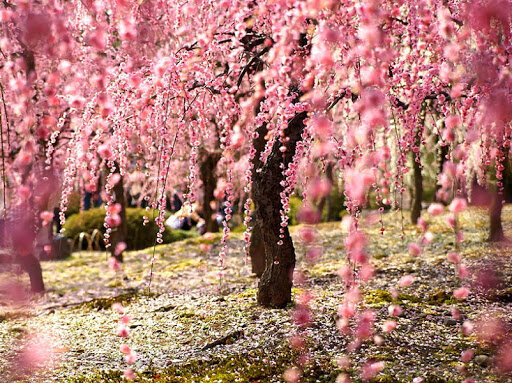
(139, 236)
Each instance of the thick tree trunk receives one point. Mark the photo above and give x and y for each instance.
(207, 170)
(277, 279)
(257, 252)
(119, 233)
(496, 228)
(496, 233)
(418, 191)
(257, 249)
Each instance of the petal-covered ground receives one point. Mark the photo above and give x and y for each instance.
(193, 327)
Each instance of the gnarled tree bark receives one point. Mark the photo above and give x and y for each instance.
(276, 282)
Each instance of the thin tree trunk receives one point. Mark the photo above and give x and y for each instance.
(119, 233)
(325, 201)
(418, 191)
(30, 264)
(207, 172)
(442, 160)
(277, 279)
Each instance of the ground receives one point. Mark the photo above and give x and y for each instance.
(188, 308)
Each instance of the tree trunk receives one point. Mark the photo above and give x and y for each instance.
(442, 160)
(257, 249)
(207, 170)
(277, 279)
(325, 201)
(418, 191)
(257, 252)
(30, 264)
(496, 228)
(496, 233)
(119, 233)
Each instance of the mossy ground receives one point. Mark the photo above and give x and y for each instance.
(188, 307)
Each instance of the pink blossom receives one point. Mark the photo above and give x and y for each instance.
(467, 355)
(467, 328)
(113, 220)
(114, 208)
(47, 217)
(347, 310)
(504, 358)
(292, 375)
(127, 29)
(114, 264)
(394, 310)
(370, 370)
(123, 331)
(131, 357)
(118, 307)
(120, 247)
(414, 249)
(422, 224)
(129, 374)
(461, 293)
(462, 271)
(205, 247)
(435, 209)
(406, 281)
(105, 152)
(307, 234)
(427, 238)
(458, 205)
(388, 326)
(454, 257)
(125, 349)
(208, 236)
(451, 221)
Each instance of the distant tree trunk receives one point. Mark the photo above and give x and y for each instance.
(22, 237)
(277, 279)
(442, 160)
(30, 264)
(326, 202)
(418, 191)
(119, 233)
(418, 177)
(207, 170)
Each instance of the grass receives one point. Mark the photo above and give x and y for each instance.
(188, 307)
